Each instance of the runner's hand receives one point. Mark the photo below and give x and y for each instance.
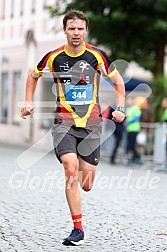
(118, 116)
(26, 110)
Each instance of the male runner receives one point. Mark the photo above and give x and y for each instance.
(76, 68)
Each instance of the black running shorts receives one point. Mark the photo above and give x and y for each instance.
(81, 141)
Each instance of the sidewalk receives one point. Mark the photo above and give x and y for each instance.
(124, 212)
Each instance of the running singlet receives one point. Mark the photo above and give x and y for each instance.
(77, 80)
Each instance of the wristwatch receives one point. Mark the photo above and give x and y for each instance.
(121, 109)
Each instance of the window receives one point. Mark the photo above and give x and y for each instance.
(11, 31)
(44, 4)
(4, 97)
(48, 96)
(21, 7)
(2, 35)
(16, 97)
(21, 30)
(12, 9)
(3, 10)
(32, 6)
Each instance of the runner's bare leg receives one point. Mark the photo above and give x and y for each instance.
(71, 168)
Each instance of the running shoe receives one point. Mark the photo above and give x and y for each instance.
(75, 238)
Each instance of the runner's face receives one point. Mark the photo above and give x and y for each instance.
(75, 31)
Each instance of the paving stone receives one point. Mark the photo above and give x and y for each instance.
(117, 217)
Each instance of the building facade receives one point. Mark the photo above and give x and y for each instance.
(26, 33)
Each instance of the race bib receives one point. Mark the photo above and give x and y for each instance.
(79, 94)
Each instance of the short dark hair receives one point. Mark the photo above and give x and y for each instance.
(75, 14)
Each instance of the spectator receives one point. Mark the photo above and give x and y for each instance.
(164, 115)
(164, 112)
(133, 127)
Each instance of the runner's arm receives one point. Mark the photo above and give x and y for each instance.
(120, 96)
(31, 84)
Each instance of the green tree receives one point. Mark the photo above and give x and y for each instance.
(132, 29)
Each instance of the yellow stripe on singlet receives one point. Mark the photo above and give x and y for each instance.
(79, 121)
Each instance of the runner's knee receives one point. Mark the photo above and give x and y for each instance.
(71, 171)
(70, 167)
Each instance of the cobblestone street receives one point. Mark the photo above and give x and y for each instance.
(125, 211)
